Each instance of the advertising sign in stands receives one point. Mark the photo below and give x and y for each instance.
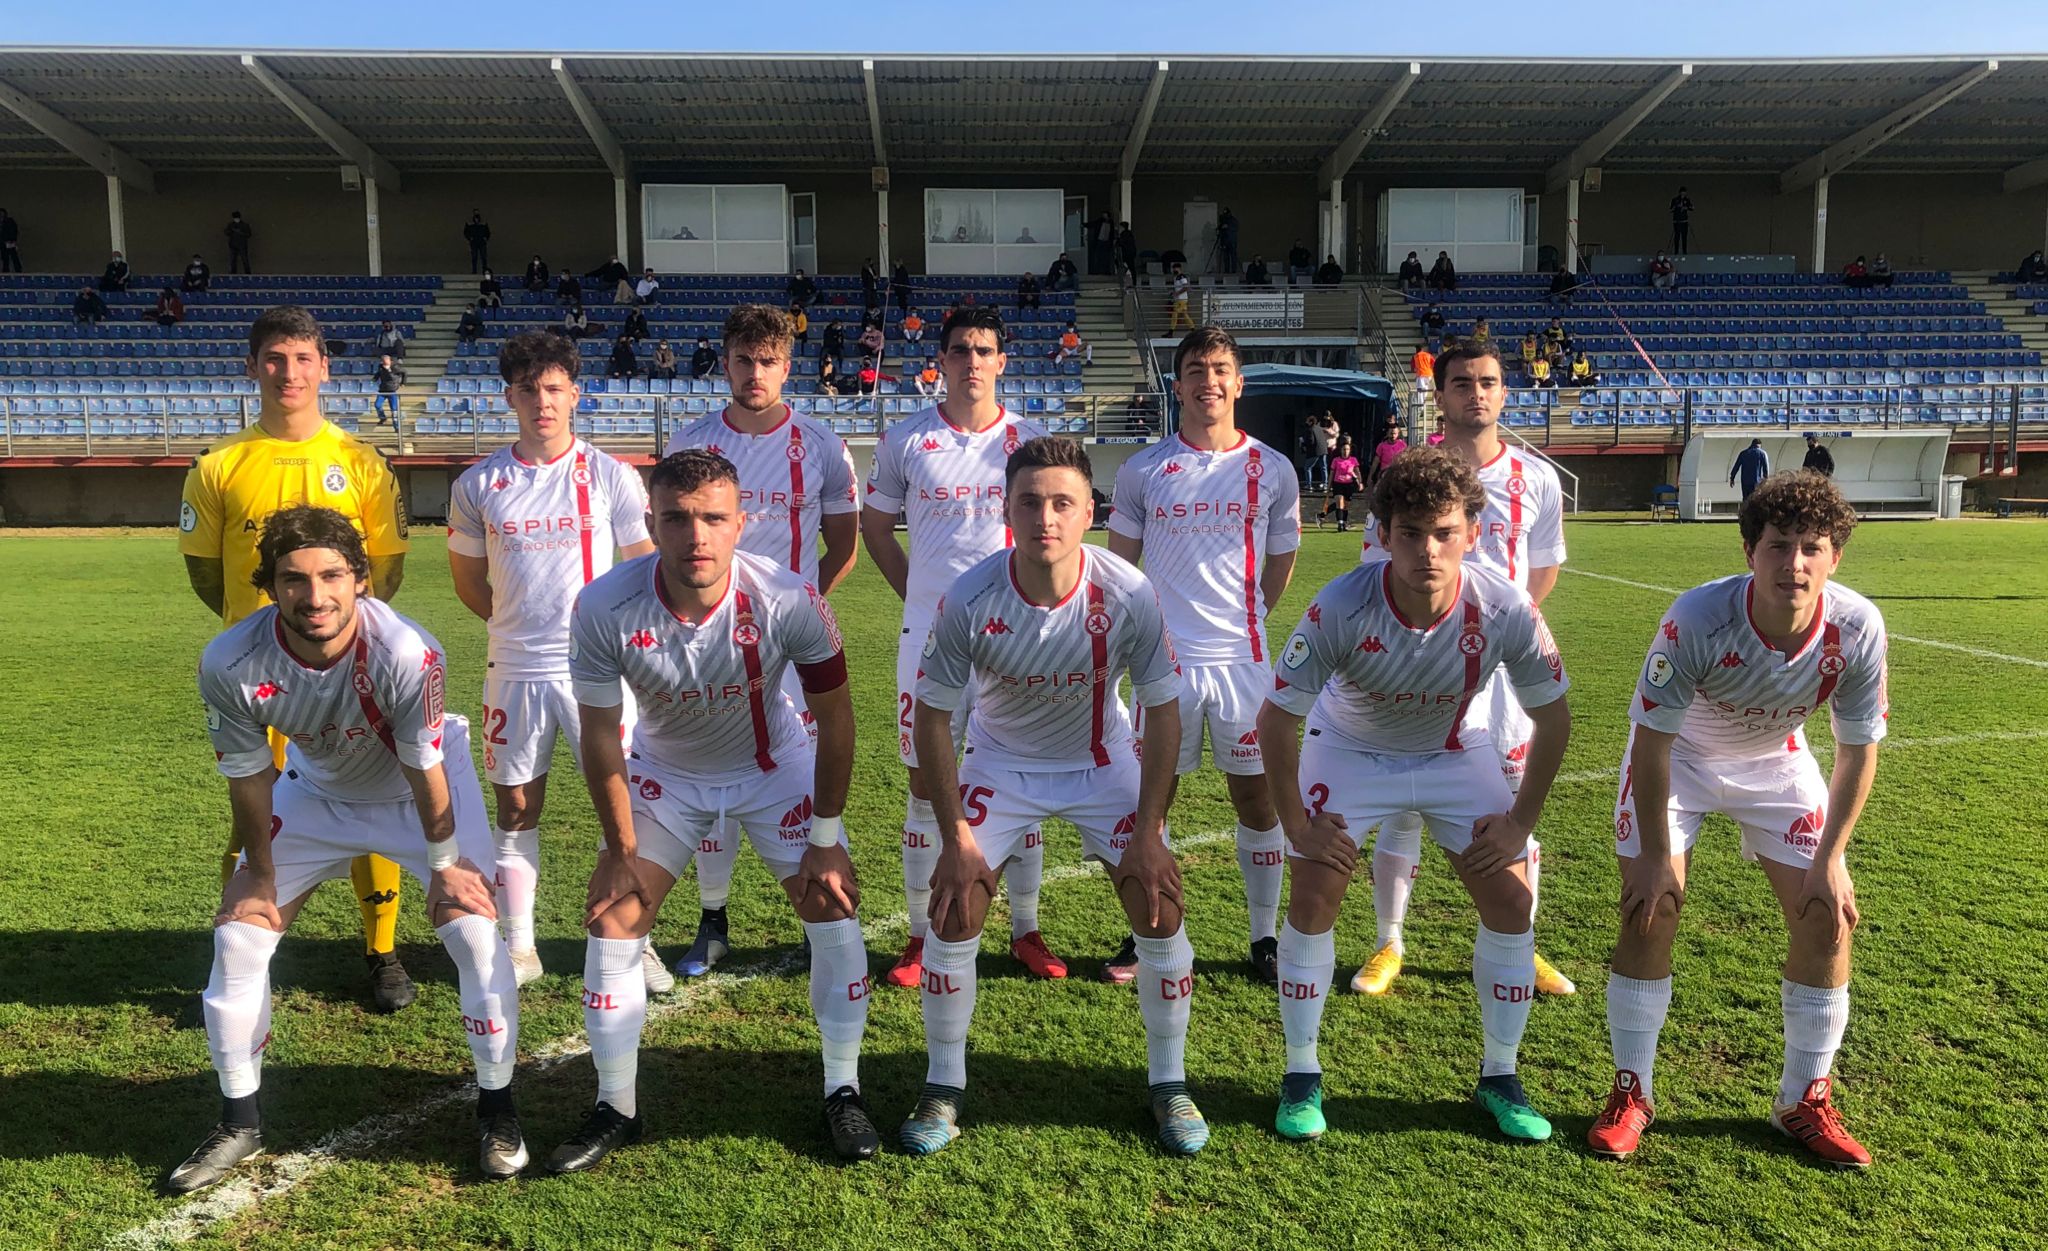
(1253, 310)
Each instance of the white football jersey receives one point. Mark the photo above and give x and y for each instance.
(347, 727)
(1712, 680)
(1522, 527)
(948, 483)
(791, 478)
(1046, 678)
(1394, 686)
(547, 531)
(709, 694)
(1208, 521)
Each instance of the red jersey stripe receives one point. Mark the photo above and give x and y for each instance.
(796, 497)
(749, 641)
(1473, 676)
(580, 474)
(1252, 471)
(1098, 654)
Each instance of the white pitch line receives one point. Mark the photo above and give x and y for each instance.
(287, 1172)
(1979, 652)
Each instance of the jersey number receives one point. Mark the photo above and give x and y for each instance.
(974, 801)
(1318, 795)
(494, 725)
(903, 714)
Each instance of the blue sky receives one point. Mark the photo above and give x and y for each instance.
(1568, 28)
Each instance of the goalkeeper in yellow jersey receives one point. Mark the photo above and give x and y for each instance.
(292, 455)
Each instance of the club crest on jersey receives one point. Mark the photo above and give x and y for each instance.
(1254, 469)
(1097, 622)
(1472, 640)
(580, 475)
(1658, 672)
(795, 451)
(1831, 662)
(1624, 826)
(1296, 654)
(746, 634)
(1518, 485)
(364, 686)
(1009, 439)
(188, 520)
(335, 480)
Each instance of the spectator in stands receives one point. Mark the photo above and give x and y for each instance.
(1027, 292)
(1423, 363)
(489, 293)
(1329, 273)
(567, 289)
(928, 383)
(2033, 269)
(1664, 273)
(614, 272)
(647, 288)
(1226, 241)
(1752, 465)
(1180, 319)
(1681, 222)
(1443, 276)
(390, 377)
(471, 327)
(1127, 251)
(1542, 372)
(870, 284)
(664, 362)
(390, 340)
(704, 359)
(1316, 475)
(801, 290)
(874, 316)
(913, 327)
(1071, 345)
(575, 322)
(1300, 262)
(1433, 320)
(238, 233)
(478, 236)
(1102, 245)
(1818, 458)
(169, 310)
(800, 323)
(1063, 276)
(1881, 272)
(828, 376)
(198, 277)
(1554, 333)
(10, 243)
(1393, 442)
(835, 338)
(88, 306)
(1583, 374)
(1411, 273)
(1529, 350)
(1256, 274)
(871, 341)
(115, 276)
(537, 274)
(625, 363)
(1856, 275)
(635, 327)
(1024, 236)
(1482, 332)
(899, 286)
(1564, 284)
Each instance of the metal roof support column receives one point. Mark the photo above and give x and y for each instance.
(880, 177)
(1571, 227)
(373, 230)
(1820, 225)
(117, 218)
(619, 222)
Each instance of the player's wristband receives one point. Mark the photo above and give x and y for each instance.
(442, 855)
(827, 831)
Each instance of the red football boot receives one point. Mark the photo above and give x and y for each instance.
(1620, 1125)
(1814, 1124)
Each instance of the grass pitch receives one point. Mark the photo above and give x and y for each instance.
(113, 818)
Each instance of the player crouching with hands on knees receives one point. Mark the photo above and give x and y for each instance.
(1385, 667)
(701, 633)
(356, 691)
(1045, 632)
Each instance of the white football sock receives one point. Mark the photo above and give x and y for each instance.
(948, 1002)
(1166, 982)
(1504, 974)
(237, 1004)
(1261, 859)
(614, 1010)
(1815, 1018)
(714, 867)
(489, 992)
(1535, 871)
(1307, 963)
(1024, 875)
(839, 997)
(1636, 1009)
(518, 875)
(1396, 856)
(920, 858)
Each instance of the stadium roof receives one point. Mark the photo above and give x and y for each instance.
(137, 111)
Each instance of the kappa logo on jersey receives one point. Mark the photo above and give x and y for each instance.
(501, 483)
(1472, 641)
(429, 659)
(1172, 466)
(931, 444)
(1296, 654)
(714, 449)
(996, 625)
(1671, 631)
(1315, 614)
(265, 690)
(1097, 623)
(335, 480)
(1831, 662)
(1372, 644)
(1733, 660)
(746, 634)
(640, 638)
